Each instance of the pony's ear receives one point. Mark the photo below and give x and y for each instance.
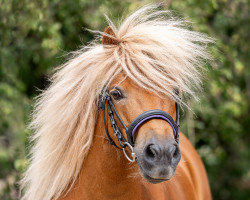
(108, 38)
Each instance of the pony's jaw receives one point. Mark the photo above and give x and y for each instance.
(157, 157)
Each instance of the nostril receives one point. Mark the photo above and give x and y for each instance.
(176, 152)
(150, 151)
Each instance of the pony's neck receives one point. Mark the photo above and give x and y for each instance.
(106, 174)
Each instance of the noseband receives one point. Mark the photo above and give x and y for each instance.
(135, 124)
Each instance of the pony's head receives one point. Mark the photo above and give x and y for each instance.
(149, 126)
(142, 63)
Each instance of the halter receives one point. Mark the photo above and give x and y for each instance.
(135, 124)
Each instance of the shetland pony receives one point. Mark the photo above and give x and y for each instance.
(83, 140)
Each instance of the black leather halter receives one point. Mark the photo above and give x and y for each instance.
(135, 124)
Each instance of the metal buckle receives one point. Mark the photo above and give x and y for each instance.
(132, 152)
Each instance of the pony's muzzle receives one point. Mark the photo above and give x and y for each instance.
(159, 159)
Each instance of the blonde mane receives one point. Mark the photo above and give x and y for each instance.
(154, 49)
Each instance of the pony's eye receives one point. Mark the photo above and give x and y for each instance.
(116, 94)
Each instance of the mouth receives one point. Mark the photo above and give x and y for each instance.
(152, 180)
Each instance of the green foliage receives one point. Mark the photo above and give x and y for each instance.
(35, 35)
(222, 117)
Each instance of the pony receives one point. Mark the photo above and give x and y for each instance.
(137, 77)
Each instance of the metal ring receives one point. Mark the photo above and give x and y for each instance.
(132, 152)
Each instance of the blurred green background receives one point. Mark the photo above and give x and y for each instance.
(35, 36)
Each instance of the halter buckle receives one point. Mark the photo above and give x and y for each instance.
(132, 152)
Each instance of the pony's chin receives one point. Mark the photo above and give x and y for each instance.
(153, 180)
